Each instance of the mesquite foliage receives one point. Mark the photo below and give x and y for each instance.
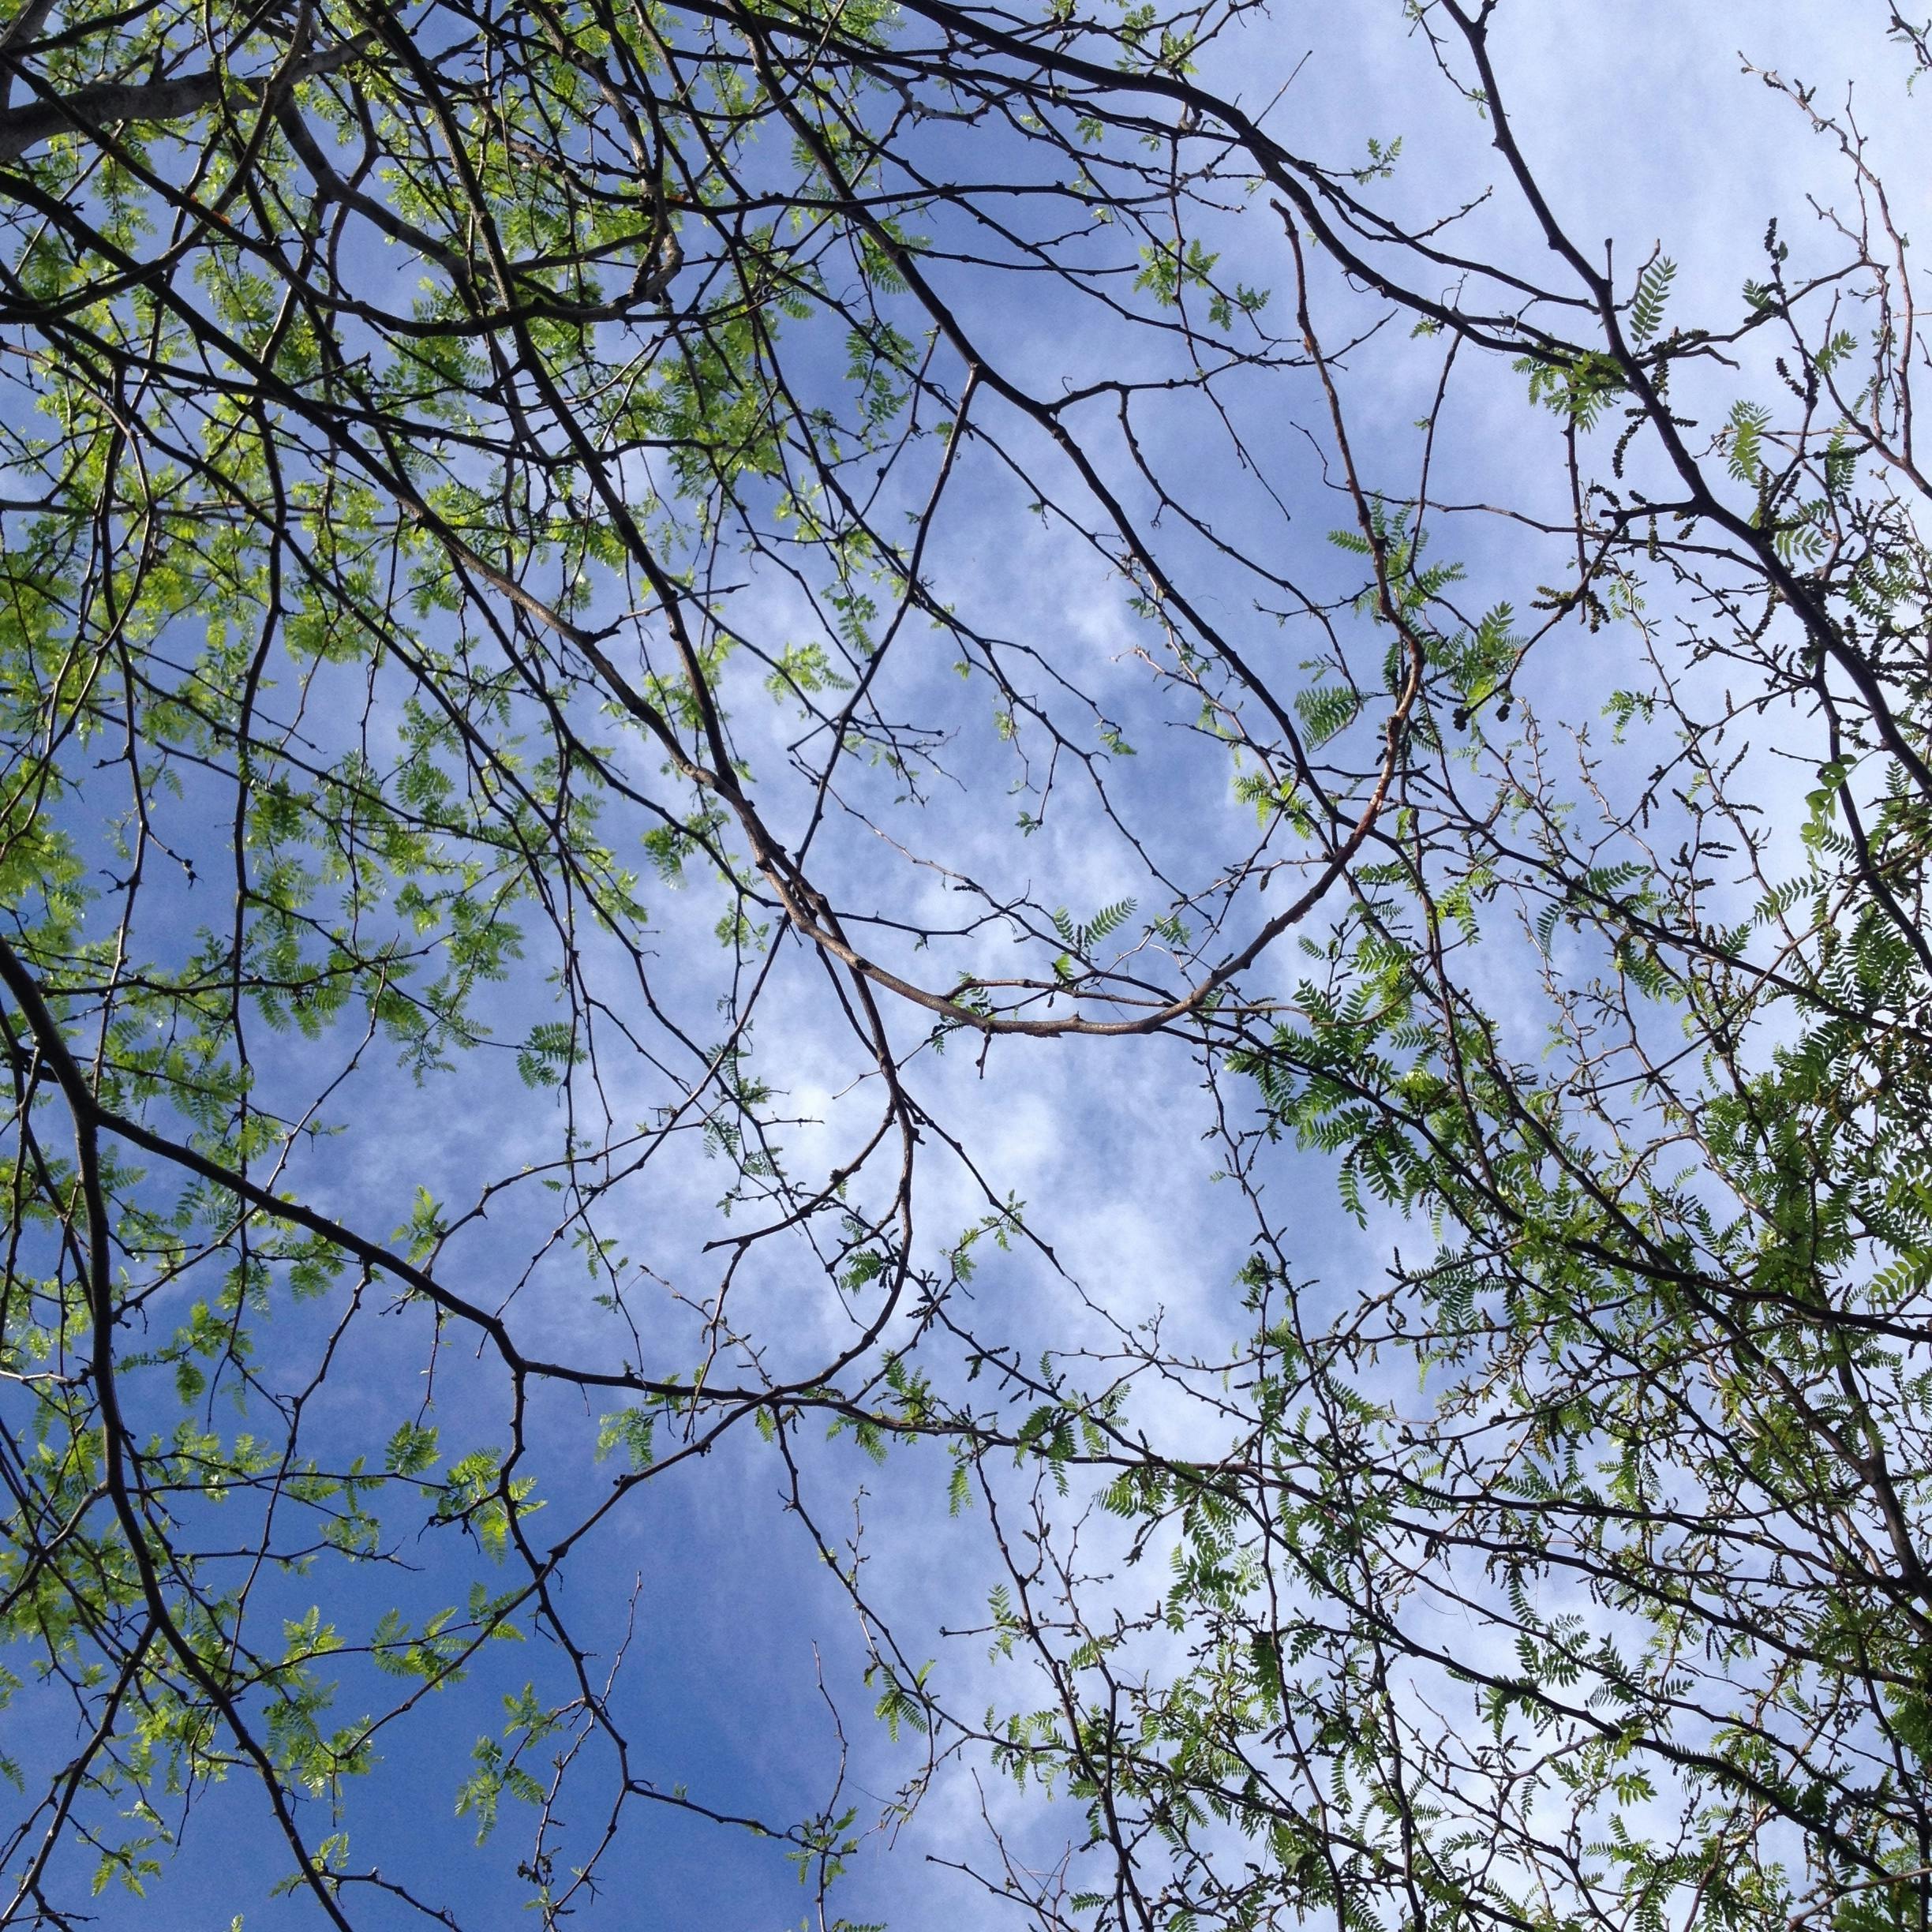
(542, 670)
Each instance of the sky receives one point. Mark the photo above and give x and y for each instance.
(1641, 116)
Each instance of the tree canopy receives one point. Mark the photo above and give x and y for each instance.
(637, 634)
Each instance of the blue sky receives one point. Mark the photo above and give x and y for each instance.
(1640, 117)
